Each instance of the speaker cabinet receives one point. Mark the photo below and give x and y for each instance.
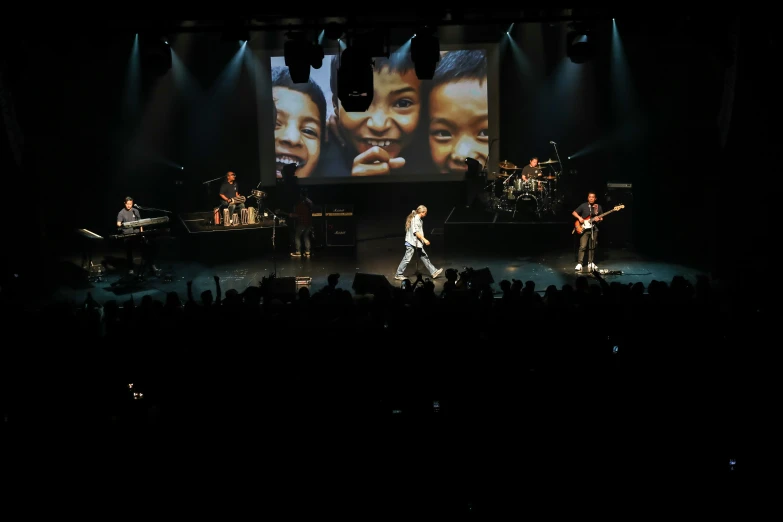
(617, 229)
(481, 277)
(370, 283)
(319, 227)
(283, 288)
(340, 225)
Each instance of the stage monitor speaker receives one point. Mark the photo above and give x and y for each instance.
(283, 288)
(319, 228)
(340, 225)
(370, 283)
(617, 229)
(481, 278)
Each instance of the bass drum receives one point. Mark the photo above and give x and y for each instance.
(526, 207)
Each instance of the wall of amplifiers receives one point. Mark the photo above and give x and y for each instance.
(334, 225)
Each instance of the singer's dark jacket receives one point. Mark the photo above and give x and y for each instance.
(126, 215)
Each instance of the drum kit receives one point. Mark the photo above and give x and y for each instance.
(533, 197)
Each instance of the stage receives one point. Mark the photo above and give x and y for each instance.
(543, 252)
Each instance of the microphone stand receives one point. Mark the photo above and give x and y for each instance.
(155, 209)
(555, 191)
(591, 248)
(558, 159)
(209, 182)
(489, 152)
(274, 234)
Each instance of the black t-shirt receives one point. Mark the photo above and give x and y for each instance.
(126, 215)
(229, 189)
(531, 172)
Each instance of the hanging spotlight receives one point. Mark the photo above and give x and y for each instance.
(425, 53)
(579, 43)
(300, 55)
(355, 79)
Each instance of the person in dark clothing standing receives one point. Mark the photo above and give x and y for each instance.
(128, 214)
(588, 214)
(303, 220)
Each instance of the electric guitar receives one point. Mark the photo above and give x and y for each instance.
(579, 228)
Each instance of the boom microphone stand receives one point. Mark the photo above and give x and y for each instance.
(274, 234)
(558, 159)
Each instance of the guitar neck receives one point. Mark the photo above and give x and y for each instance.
(605, 213)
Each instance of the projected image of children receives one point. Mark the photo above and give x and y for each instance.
(459, 111)
(300, 123)
(412, 126)
(383, 139)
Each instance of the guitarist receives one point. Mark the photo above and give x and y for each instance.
(588, 211)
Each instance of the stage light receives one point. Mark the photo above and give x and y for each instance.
(334, 31)
(235, 30)
(300, 55)
(289, 172)
(155, 56)
(425, 53)
(474, 168)
(579, 43)
(355, 79)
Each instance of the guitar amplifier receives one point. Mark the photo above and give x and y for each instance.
(340, 225)
(617, 230)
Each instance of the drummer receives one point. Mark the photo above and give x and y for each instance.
(531, 171)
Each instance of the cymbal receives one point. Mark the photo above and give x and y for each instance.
(548, 162)
(506, 165)
(551, 177)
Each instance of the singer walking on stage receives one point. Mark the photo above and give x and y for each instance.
(415, 241)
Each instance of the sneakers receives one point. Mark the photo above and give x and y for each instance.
(307, 254)
(578, 267)
(296, 254)
(399, 277)
(437, 272)
(593, 267)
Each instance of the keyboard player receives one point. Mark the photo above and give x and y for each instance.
(131, 213)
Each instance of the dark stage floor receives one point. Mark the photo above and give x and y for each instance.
(542, 252)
